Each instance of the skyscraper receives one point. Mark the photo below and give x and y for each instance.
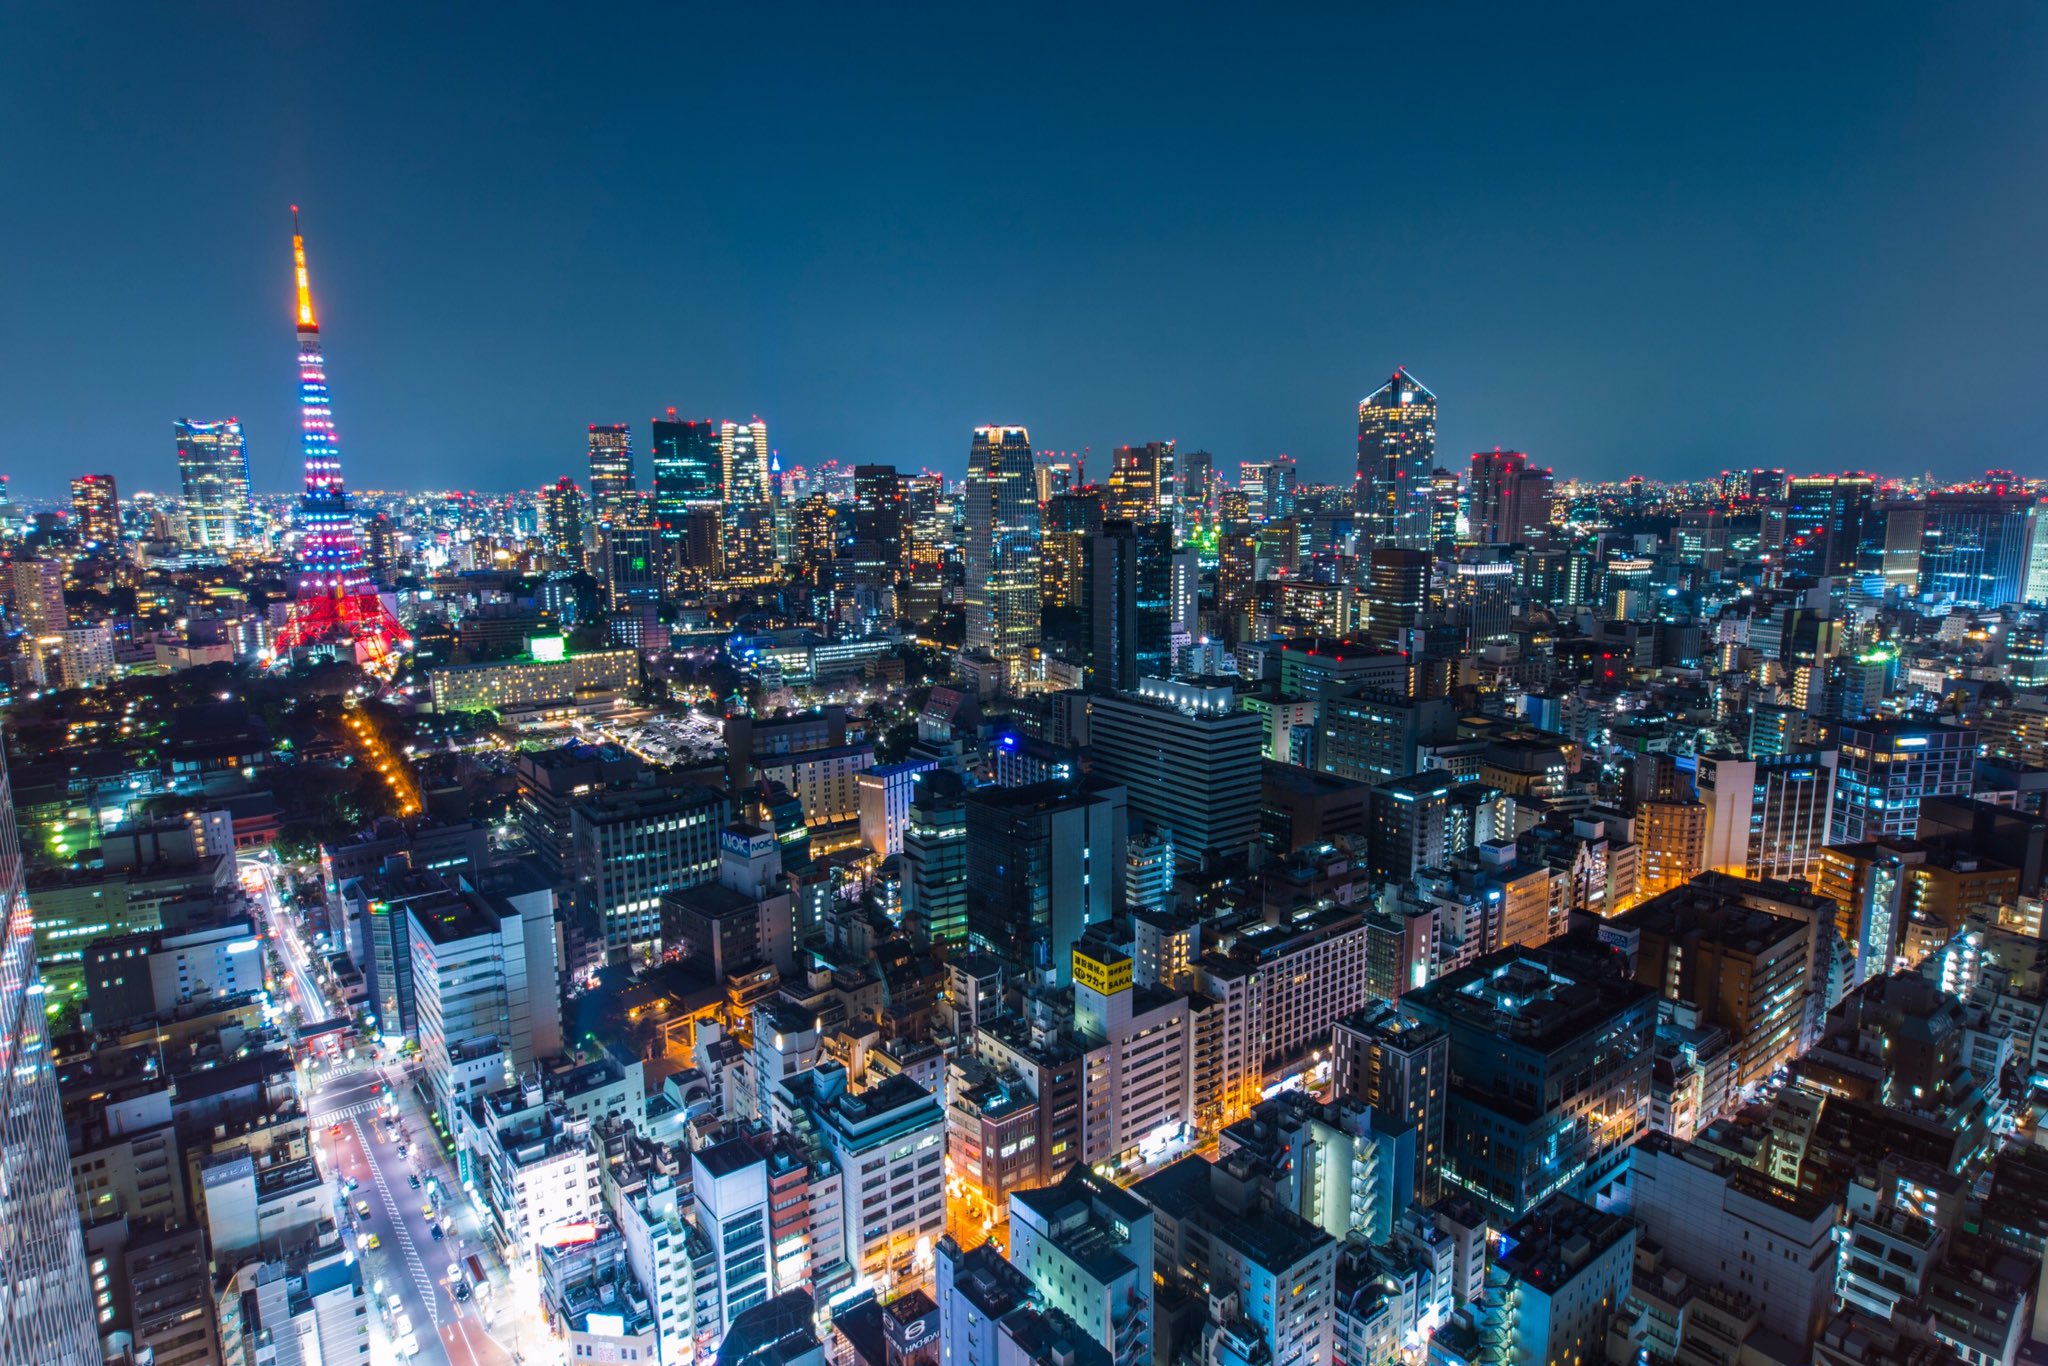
(38, 586)
(334, 600)
(1510, 498)
(1039, 870)
(96, 508)
(1002, 549)
(1189, 762)
(46, 1306)
(1070, 521)
(1975, 547)
(749, 500)
(1141, 482)
(1396, 452)
(213, 470)
(688, 470)
(631, 563)
(1128, 592)
(611, 469)
(380, 539)
(873, 545)
(1827, 518)
(1398, 592)
(564, 504)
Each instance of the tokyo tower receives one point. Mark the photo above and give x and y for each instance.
(334, 601)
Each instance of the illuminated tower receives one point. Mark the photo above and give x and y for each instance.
(1396, 453)
(335, 600)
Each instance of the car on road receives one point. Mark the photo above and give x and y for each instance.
(427, 1213)
(363, 1208)
(414, 1181)
(436, 1231)
(373, 1242)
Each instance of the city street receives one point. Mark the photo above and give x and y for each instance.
(356, 1143)
(302, 989)
(408, 1261)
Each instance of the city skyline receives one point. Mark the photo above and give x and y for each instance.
(1764, 219)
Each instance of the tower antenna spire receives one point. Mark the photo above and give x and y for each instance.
(307, 321)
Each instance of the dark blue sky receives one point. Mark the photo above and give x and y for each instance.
(1625, 238)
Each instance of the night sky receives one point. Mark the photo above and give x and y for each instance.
(1628, 238)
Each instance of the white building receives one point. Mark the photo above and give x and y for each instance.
(1135, 1082)
(1731, 1227)
(889, 1143)
(729, 1187)
(533, 1163)
(484, 984)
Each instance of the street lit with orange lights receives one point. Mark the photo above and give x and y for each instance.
(376, 752)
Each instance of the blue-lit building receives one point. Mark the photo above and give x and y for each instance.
(1550, 1058)
(1888, 767)
(1974, 548)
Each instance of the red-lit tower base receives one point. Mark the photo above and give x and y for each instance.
(357, 618)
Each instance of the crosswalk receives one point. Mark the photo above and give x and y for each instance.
(322, 1118)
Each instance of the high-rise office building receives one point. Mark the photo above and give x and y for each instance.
(750, 497)
(1141, 482)
(689, 472)
(1446, 505)
(1396, 452)
(380, 547)
(1236, 582)
(1071, 521)
(1550, 1061)
(1888, 767)
(935, 862)
(213, 474)
(46, 1290)
(873, 546)
(611, 469)
(1767, 816)
(1510, 498)
(1828, 517)
(96, 509)
(632, 563)
(1975, 547)
(1002, 550)
(1189, 760)
(1195, 485)
(1043, 862)
(816, 548)
(564, 522)
(1128, 597)
(1397, 593)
